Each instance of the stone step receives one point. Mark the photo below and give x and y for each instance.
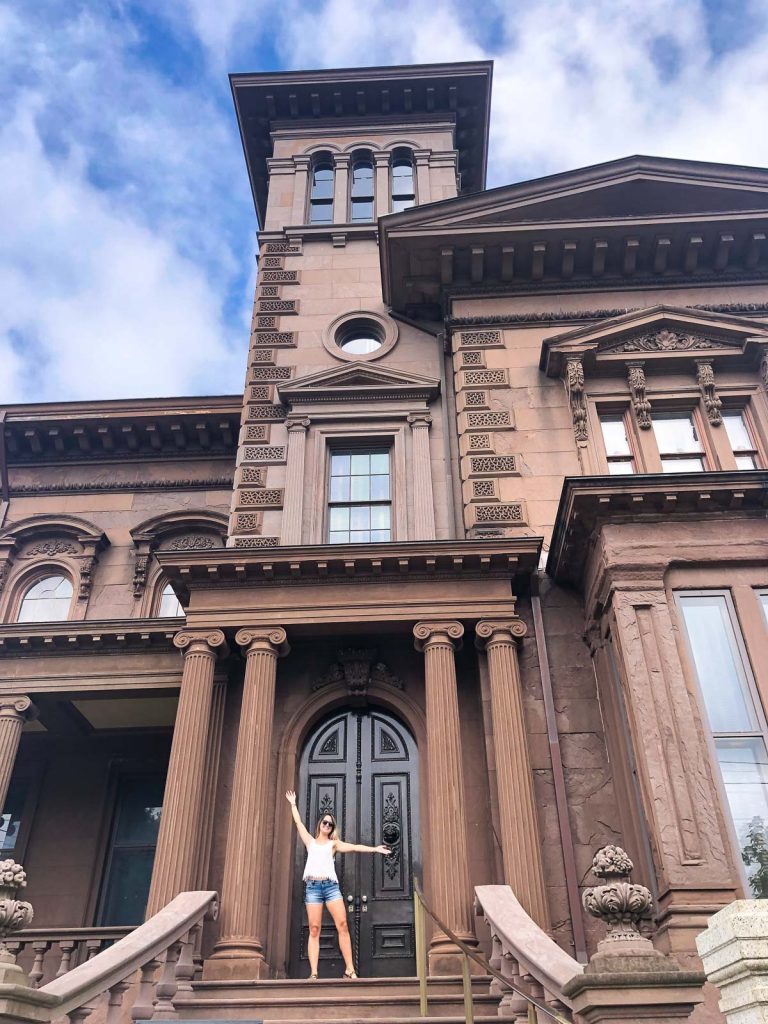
(331, 987)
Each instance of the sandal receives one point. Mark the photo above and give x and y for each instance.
(312, 977)
(349, 975)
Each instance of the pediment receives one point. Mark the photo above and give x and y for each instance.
(634, 187)
(362, 382)
(658, 332)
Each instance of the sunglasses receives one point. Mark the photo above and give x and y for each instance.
(330, 824)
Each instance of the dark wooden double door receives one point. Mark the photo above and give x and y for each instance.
(361, 765)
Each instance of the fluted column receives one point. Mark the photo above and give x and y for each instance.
(293, 503)
(176, 857)
(520, 835)
(449, 863)
(15, 710)
(239, 953)
(423, 500)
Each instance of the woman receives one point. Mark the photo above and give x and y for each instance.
(322, 885)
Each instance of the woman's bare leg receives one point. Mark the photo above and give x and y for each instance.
(339, 914)
(314, 917)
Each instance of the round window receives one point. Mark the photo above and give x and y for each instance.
(360, 337)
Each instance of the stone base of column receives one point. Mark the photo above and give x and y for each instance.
(445, 958)
(236, 965)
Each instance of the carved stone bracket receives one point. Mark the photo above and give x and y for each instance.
(574, 382)
(641, 405)
(705, 377)
(764, 371)
(358, 670)
(86, 577)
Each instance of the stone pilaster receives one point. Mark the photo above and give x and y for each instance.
(295, 484)
(341, 188)
(423, 184)
(15, 710)
(382, 183)
(177, 854)
(449, 863)
(300, 189)
(520, 835)
(423, 501)
(239, 952)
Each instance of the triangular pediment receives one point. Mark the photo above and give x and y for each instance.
(358, 382)
(634, 187)
(656, 332)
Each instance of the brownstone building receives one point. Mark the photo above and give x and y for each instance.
(478, 561)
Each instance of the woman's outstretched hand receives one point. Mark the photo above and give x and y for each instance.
(382, 849)
(290, 796)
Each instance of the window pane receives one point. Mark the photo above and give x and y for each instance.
(128, 888)
(322, 183)
(737, 432)
(359, 537)
(764, 603)
(139, 812)
(621, 468)
(360, 518)
(380, 517)
(339, 465)
(339, 488)
(745, 776)
(361, 488)
(337, 537)
(362, 179)
(718, 665)
(380, 462)
(682, 465)
(402, 178)
(380, 536)
(676, 434)
(379, 488)
(745, 462)
(615, 436)
(360, 345)
(10, 820)
(170, 606)
(339, 519)
(321, 213)
(402, 204)
(362, 209)
(361, 464)
(48, 600)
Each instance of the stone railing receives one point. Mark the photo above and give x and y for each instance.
(526, 956)
(155, 962)
(48, 953)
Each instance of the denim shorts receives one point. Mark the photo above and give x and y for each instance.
(321, 891)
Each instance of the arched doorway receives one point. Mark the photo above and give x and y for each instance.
(361, 765)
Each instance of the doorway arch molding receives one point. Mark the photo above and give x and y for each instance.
(297, 729)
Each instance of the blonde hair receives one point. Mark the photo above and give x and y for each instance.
(334, 831)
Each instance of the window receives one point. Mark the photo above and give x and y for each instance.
(617, 449)
(359, 500)
(131, 851)
(743, 446)
(680, 449)
(362, 190)
(170, 606)
(736, 720)
(403, 190)
(763, 599)
(360, 337)
(321, 196)
(10, 820)
(48, 600)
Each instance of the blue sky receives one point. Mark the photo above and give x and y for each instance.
(127, 231)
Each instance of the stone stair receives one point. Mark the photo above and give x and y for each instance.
(373, 1000)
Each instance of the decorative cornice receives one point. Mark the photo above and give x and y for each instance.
(754, 309)
(184, 484)
(86, 636)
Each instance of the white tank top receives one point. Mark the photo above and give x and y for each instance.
(320, 861)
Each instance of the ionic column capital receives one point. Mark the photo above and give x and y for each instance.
(438, 634)
(506, 631)
(419, 419)
(201, 641)
(272, 639)
(300, 425)
(17, 706)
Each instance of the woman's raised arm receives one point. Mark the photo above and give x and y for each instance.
(341, 847)
(306, 838)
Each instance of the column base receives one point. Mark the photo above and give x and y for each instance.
(445, 958)
(233, 965)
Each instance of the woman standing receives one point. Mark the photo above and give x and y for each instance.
(322, 885)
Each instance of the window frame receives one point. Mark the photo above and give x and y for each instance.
(744, 410)
(24, 584)
(161, 586)
(667, 410)
(362, 156)
(611, 411)
(320, 160)
(336, 448)
(402, 153)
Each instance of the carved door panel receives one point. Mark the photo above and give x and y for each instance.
(362, 766)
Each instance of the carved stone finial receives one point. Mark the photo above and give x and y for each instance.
(620, 903)
(14, 914)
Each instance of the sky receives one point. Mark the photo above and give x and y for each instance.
(127, 229)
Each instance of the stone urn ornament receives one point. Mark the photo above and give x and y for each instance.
(15, 914)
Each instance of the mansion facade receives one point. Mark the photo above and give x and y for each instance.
(477, 561)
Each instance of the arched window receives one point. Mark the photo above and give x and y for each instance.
(362, 189)
(403, 188)
(170, 606)
(321, 194)
(48, 600)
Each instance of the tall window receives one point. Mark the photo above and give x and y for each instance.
(617, 448)
(131, 851)
(359, 500)
(321, 194)
(170, 606)
(679, 444)
(743, 446)
(403, 188)
(48, 600)
(362, 189)
(10, 819)
(736, 720)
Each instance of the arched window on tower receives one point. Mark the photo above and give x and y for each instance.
(362, 189)
(48, 600)
(403, 187)
(321, 193)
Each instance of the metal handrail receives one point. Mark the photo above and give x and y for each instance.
(420, 906)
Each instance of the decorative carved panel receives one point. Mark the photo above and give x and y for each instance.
(256, 542)
(357, 669)
(489, 419)
(264, 453)
(260, 393)
(266, 412)
(472, 359)
(664, 341)
(490, 464)
(271, 263)
(280, 276)
(257, 432)
(506, 512)
(266, 323)
(265, 497)
(484, 489)
(282, 306)
(479, 442)
(275, 339)
(486, 378)
(271, 373)
(248, 521)
(480, 339)
(253, 475)
(286, 248)
(475, 399)
(50, 548)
